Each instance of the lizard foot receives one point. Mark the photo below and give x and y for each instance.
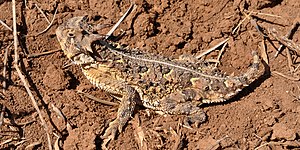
(196, 118)
(111, 132)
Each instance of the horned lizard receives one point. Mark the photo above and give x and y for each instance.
(171, 86)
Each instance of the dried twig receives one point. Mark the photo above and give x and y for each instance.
(211, 49)
(43, 53)
(25, 123)
(285, 76)
(19, 143)
(289, 44)
(220, 54)
(42, 13)
(263, 14)
(129, 10)
(254, 23)
(97, 99)
(4, 85)
(295, 70)
(289, 60)
(15, 32)
(56, 144)
(212, 61)
(32, 145)
(263, 51)
(2, 115)
(285, 41)
(43, 122)
(22, 77)
(295, 96)
(48, 25)
(288, 36)
(25, 2)
(5, 25)
(11, 140)
(240, 23)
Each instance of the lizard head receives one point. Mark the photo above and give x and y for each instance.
(75, 40)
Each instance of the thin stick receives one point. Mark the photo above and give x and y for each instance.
(220, 54)
(56, 143)
(5, 25)
(240, 23)
(97, 99)
(285, 76)
(32, 145)
(254, 23)
(35, 105)
(26, 123)
(263, 51)
(296, 68)
(2, 115)
(286, 42)
(19, 143)
(5, 67)
(291, 45)
(42, 13)
(48, 25)
(212, 49)
(129, 10)
(25, 2)
(212, 61)
(22, 77)
(263, 14)
(11, 122)
(43, 53)
(289, 60)
(288, 36)
(15, 32)
(11, 140)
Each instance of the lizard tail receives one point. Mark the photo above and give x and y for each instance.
(232, 85)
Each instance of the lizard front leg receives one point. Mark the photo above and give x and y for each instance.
(105, 78)
(183, 102)
(125, 111)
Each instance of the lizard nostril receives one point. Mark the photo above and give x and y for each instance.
(71, 34)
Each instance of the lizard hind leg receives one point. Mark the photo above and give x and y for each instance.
(195, 115)
(180, 104)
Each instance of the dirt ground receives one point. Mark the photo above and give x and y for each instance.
(263, 116)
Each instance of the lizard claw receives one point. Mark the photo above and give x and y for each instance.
(111, 132)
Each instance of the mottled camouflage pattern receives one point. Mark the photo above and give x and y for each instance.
(172, 86)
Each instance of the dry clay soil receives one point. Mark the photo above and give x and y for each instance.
(265, 115)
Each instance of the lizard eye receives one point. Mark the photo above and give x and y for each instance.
(206, 88)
